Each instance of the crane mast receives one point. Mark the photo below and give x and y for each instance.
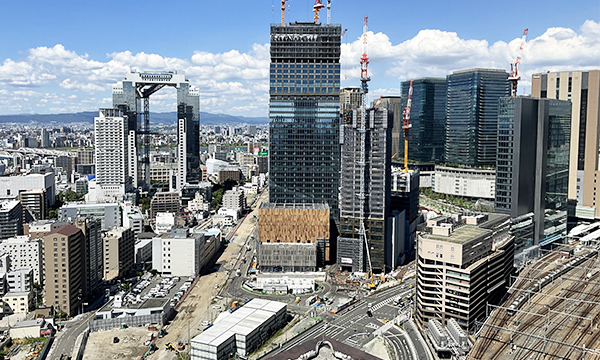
(364, 79)
(318, 6)
(283, 12)
(407, 125)
(329, 12)
(514, 76)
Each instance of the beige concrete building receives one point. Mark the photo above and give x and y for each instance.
(462, 264)
(582, 88)
(119, 249)
(64, 270)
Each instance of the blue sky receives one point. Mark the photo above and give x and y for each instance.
(63, 56)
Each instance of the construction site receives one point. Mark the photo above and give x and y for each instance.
(552, 310)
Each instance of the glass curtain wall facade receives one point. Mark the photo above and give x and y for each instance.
(532, 168)
(304, 148)
(428, 119)
(472, 115)
(188, 108)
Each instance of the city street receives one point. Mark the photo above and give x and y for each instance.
(65, 339)
(355, 327)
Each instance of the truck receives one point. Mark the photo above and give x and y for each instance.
(238, 272)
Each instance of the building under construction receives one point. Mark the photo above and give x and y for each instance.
(304, 114)
(351, 252)
(293, 237)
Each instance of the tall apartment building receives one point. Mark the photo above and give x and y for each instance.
(64, 270)
(304, 108)
(25, 253)
(351, 248)
(472, 115)
(11, 219)
(428, 119)
(113, 145)
(462, 264)
(532, 168)
(94, 250)
(582, 88)
(119, 244)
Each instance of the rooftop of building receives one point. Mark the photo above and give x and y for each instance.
(460, 235)
(243, 321)
(478, 70)
(320, 345)
(66, 230)
(314, 206)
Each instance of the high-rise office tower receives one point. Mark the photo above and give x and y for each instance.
(583, 89)
(532, 168)
(45, 138)
(394, 106)
(472, 115)
(139, 87)
(428, 120)
(304, 149)
(351, 252)
(112, 154)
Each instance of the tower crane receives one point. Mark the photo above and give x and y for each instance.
(364, 79)
(406, 124)
(329, 12)
(514, 76)
(318, 6)
(283, 12)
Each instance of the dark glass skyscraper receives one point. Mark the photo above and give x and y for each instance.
(304, 148)
(472, 115)
(428, 119)
(532, 171)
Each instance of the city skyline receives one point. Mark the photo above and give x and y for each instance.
(45, 68)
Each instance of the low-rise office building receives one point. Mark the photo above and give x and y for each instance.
(462, 264)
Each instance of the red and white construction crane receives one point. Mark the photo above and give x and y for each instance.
(318, 6)
(514, 67)
(406, 124)
(362, 162)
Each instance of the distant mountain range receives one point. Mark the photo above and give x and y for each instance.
(161, 118)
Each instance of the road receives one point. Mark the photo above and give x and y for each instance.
(65, 339)
(353, 326)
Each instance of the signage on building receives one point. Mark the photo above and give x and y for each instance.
(346, 260)
(263, 153)
(294, 37)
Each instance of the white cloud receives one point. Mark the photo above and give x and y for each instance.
(236, 82)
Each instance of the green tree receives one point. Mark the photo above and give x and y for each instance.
(144, 203)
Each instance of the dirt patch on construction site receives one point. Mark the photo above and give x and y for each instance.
(130, 346)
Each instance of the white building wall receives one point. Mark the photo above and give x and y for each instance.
(476, 183)
(24, 253)
(112, 168)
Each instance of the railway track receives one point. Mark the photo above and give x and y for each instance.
(490, 334)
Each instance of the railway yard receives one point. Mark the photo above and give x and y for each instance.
(552, 311)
